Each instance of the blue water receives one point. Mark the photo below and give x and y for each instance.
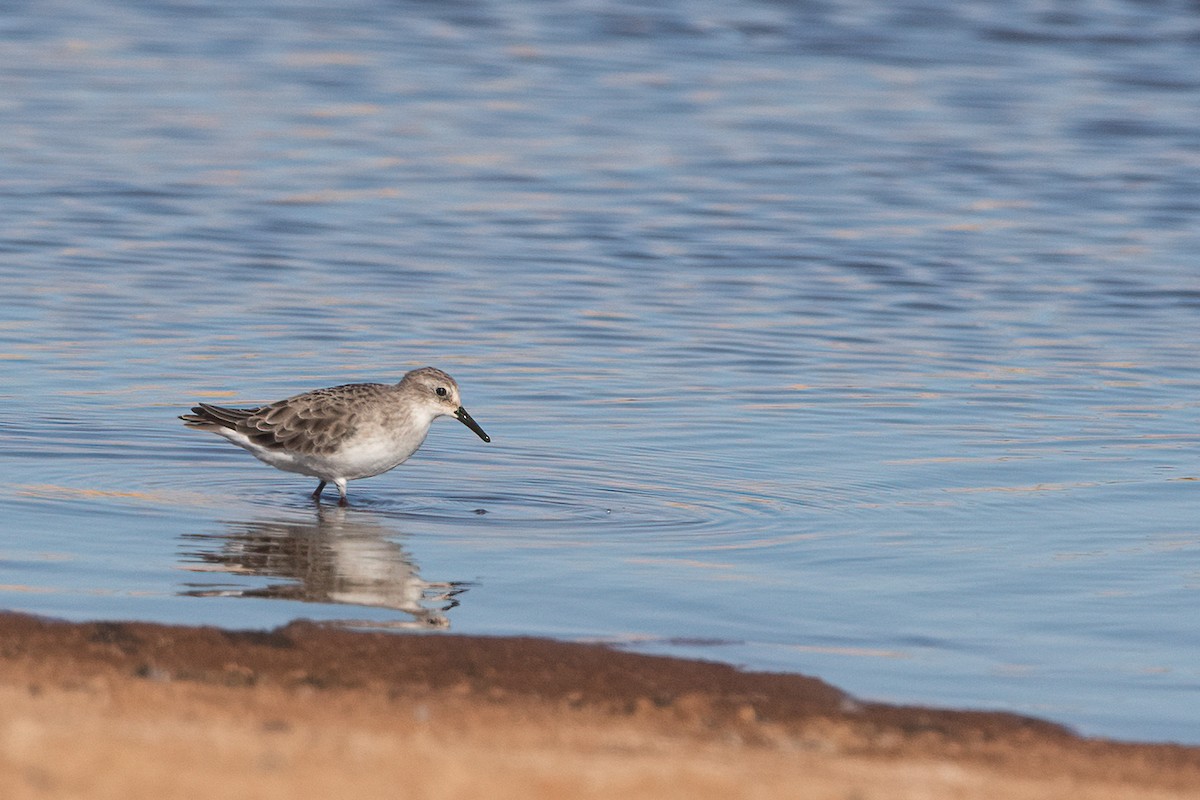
(844, 338)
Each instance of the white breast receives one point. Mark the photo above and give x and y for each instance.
(373, 450)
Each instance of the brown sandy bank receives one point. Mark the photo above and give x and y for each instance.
(104, 710)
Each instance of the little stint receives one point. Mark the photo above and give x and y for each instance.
(342, 433)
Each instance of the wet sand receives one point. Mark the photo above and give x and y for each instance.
(133, 710)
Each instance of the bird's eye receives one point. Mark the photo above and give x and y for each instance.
(441, 391)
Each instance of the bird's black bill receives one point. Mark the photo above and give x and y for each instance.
(465, 419)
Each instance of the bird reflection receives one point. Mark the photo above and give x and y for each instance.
(340, 557)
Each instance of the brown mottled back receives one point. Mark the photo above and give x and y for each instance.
(313, 423)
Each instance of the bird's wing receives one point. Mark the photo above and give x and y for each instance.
(313, 423)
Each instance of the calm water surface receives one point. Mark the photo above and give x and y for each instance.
(845, 338)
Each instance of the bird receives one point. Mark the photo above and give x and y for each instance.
(341, 433)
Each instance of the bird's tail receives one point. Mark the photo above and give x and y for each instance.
(207, 417)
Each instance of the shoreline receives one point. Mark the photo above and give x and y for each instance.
(150, 710)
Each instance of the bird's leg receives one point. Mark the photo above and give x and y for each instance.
(317, 494)
(340, 483)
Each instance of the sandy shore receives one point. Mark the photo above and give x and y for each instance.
(105, 710)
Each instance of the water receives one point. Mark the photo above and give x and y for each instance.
(843, 338)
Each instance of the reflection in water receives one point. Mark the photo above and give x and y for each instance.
(339, 557)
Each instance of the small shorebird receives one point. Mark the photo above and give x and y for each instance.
(342, 433)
